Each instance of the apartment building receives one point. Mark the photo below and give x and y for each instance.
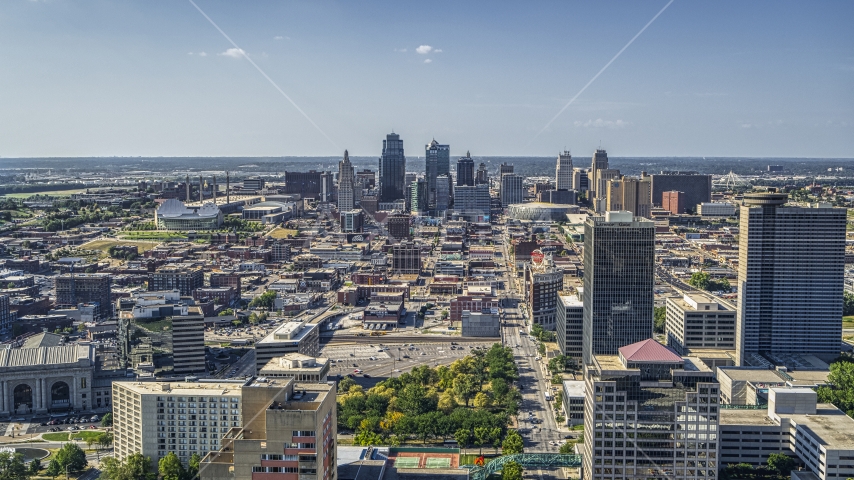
(155, 418)
(184, 278)
(289, 432)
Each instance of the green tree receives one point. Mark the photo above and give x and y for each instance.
(171, 468)
(35, 467)
(463, 437)
(567, 448)
(193, 465)
(847, 303)
(659, 319)
(345, 384)
(511, 471)
(134, 467)
(70, 456)
(481, 437)
(513, 443)
(465, 387)
(265, 300)
(840, 392)
(12, 467)
(104, 440)
(107, 420)
(700, 280)
(781, 463)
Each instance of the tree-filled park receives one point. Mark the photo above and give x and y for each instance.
(470, 401)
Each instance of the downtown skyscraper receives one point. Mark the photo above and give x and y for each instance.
(392, 170)
(346, 184)
(563, 172)
(619, 258)
(791, 263)
(438, 162)
(465, 171)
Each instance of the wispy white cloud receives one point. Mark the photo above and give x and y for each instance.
(425, 49)
(401, 50)
(233, 53)
(428, 61)
(281, 37)
(599, 123)
(203, 54)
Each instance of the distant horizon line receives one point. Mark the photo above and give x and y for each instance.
(377, 157)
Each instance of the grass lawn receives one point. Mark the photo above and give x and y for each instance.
(848, 322)
(104, 245)
(151, 235)
(78, 435)
(280, 232)
(155, 326)
(52, 193)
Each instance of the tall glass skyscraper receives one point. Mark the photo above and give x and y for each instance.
(791, 268)
(346, 184)
(465, 171)
(619, 256)
(392, 170)
(438, 160)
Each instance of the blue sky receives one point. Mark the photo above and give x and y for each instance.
(154, 78)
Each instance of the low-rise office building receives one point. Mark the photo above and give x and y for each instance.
(299, 336)
(699, 321)
(481, 324)
(820, 436)
(301, 368)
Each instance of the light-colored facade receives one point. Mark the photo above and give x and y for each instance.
(563, 172)
(573, 402)
(716, 209)
(631, 194)
(481, 324)
(570, 325)
(791, 263)
(299, 337)
(511, 190)
(155, 418)
(301, 368)
(649, 413)
(289, 434)
(346, 184)
(619, 256)
(174, 215)
(699, 321)
(45, 379)
(819, 435)
(543, 212)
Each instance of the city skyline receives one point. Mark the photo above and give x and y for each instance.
(160, 80)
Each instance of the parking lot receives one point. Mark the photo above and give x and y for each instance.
(393, 359)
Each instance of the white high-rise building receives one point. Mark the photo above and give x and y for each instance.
(346, 184)
(563, 173)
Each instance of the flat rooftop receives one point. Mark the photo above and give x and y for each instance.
(742, 374)
(571, 301)
(831, 425)
(292, 332)
(574, 388)
(744, 417)
(222, 387)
